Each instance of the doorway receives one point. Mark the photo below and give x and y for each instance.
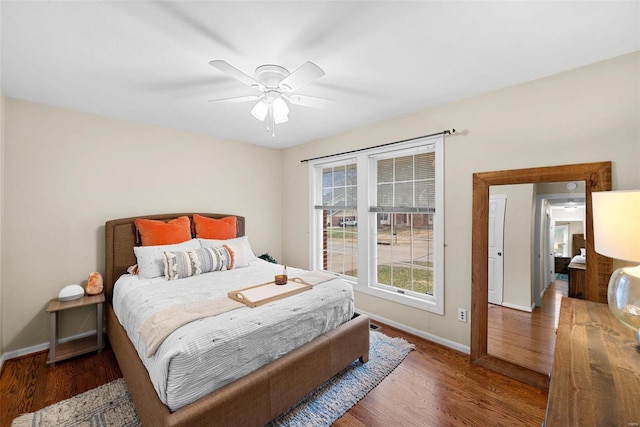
(497, 207)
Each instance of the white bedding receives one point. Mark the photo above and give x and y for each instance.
(579, 259)
(207, 354)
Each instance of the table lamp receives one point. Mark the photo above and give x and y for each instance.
(616, 234)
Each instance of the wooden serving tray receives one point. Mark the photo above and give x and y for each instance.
(254, 296)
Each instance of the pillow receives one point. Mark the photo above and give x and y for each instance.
(154, 232)
(178, 265)
(210, 228)
(241, 247)
(149, 258)
(583, 252)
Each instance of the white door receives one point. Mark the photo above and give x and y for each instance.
(497, 205)
(551, 266)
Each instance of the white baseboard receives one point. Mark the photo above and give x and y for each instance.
(422, 334)
(44, 346)
(1, 361)
(520, 307)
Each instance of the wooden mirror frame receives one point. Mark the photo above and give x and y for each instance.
(597, 177)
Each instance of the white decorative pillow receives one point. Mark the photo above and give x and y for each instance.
(178, 265)
(583, 252)
(149, 258)
(241, 248)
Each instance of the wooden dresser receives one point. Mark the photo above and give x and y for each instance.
(595, 380)
(577, 280)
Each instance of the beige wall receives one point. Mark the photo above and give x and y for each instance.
(66, 173)
(584, 115)
(517, 291)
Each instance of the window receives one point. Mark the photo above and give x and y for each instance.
(338, 211)
(377, 220)
(561, 241)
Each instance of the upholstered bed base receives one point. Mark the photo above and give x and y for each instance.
(250, 401)
(256, 398)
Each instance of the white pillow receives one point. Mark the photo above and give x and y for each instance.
(240, 246)
(150, 259)
(583, 252)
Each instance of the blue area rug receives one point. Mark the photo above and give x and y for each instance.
(335, 397)
(564, 277)
(111, 405)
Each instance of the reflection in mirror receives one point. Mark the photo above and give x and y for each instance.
(597, 177)
(532, 229)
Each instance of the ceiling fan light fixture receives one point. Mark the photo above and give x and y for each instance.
(260, 110)
(280, 119)
(280, 110)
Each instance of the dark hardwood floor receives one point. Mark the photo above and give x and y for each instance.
(527, 339)
(27, 383)
(433, 386)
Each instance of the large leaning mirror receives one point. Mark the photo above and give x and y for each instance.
(596, 177)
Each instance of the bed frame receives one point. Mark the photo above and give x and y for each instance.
(252, 400)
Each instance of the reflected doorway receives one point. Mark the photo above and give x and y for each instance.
(537, 223)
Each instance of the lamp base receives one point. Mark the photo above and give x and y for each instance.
(623, 296)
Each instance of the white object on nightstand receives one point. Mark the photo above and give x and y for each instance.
(71, 292)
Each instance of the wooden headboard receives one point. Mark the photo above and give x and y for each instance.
(577, 242)
(121, 237)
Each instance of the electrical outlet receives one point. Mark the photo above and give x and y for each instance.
(462, 315)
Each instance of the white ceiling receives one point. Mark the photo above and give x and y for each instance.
(148, 61)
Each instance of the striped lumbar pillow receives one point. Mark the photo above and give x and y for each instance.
(178, 265)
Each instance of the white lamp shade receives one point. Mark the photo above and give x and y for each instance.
(259, 111)
(616, 224)
(280, 111)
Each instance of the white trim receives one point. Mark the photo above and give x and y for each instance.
(406, 298)
(313, 240)
(43, 346)
(520, 307)
(1, 362)
(417, 332)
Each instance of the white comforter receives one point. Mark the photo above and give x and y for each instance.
(578, 259)
(207, 354)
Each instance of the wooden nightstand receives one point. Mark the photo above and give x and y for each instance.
(62, 351)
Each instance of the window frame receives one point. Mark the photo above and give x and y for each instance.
(366, 249)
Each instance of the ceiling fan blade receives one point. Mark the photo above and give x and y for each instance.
(225, 67)
(309, 101)
(301, 77)
(237, 99)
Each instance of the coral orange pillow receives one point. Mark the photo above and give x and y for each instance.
(220, 229)
(154, 232)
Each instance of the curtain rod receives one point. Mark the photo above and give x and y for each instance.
(444, 132)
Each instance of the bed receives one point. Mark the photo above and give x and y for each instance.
(253, 399)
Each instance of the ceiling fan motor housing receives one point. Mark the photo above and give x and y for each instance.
(271, 75)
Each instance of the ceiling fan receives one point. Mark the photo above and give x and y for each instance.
(277, 85)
